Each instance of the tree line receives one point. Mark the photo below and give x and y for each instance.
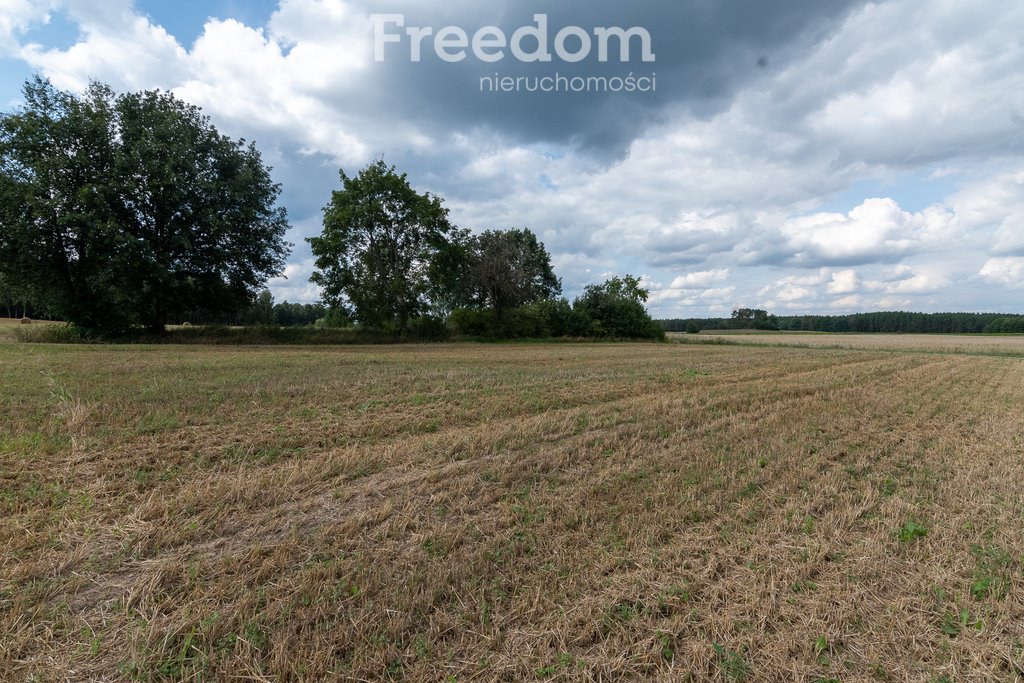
(121, 212)
(891, 322)
(389, 258)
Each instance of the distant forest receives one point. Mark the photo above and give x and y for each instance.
(892, 322)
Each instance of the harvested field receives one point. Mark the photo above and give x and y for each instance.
(952, 343)
(510, 512)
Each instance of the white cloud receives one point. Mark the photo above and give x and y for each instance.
(995, 207)
(1005, 271)
(918, 284)
(877, 230)
(16, 16)
(700, 279)
(847, 303)
(844, 282)
(294, 285)
(116, 46)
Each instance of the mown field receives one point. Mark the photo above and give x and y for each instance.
(564, 512)
(950, 343)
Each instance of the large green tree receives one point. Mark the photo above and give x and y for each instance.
(379, 239)
(126, 210)
(511, 268)
(616, 309)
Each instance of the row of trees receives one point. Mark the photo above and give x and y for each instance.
(263, 311)
(892, 322)
(390, 258)
(120, 211)
(741, 319)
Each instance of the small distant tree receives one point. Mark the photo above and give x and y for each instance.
(692, 327)
(261, 312)
(373, 256)
(753, 318)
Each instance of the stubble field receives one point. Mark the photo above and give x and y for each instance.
(590, 512)
(1010, 344)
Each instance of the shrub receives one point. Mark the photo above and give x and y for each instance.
(616, 309)
(336, 318)
(51, 334)
(473, 322)
(428, 328)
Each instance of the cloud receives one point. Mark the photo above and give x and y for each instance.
(995, 206)
(1004, 271)
(16, 16)
(876, 231)
(693, 289)
(918, 284)
(844, 282)
(294, 284)
(700, 279)
(116, 45)
(731, 182)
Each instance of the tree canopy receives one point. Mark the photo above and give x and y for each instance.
(511, 268)
(377, 244)
(616, 309)
(125, 210)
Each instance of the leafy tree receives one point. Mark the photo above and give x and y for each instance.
(298, 315)
(448, 284)
(13, 303)
(121, 210)
(754, 318)
(377, 244)
(200, 206)
(511, 268)
(261, 312)
(616, 309)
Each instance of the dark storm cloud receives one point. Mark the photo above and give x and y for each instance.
(705, 52)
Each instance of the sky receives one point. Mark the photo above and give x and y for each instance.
(830, 157)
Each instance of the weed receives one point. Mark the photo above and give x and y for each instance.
(888, 486)
(992, 575)
(911, 531)
(733, 664)
(565, 661)
(668, 650)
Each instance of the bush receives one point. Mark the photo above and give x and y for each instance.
(51, 334)
(616, 309)
(336, 318)
(428, 328)
(692, 327)
(612, 316)
(560, 319)
(518, 323)
(474, 322)
(525, 322)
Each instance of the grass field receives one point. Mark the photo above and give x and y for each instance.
(563, 512)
